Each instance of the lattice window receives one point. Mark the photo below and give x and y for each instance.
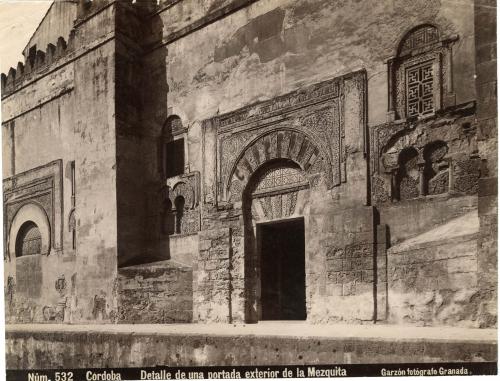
(420, 89)
(29, 240)
(420, 80)
(279, 177)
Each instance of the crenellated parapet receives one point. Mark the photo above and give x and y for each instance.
(39, 61)
(36, 62)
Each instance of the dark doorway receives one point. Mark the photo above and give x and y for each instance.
(282, 255)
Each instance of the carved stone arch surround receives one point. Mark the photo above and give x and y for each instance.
(31, 211)
(317, 112)
(187, 186)
(184, 190)
(285, 143)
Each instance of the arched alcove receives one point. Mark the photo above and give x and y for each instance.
(34, 214)
(436, 175)
(407, 177)
(28, 240)
(179, 214)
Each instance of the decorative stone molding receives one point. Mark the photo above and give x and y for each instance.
(35, 213)
(275, 191)
(36, 193)
(306, 126)
(187, 186)
(284, 144)
(444, 144)
(187, 220)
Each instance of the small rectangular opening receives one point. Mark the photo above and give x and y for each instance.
(282, 258)
(174, 158)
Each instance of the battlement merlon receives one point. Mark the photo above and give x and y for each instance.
(91, 14)
(36, 62)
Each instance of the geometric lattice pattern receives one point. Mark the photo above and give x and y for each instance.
(419, 89)
(279, 177)
(422, 36)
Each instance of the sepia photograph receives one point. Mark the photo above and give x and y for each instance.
(249, 189)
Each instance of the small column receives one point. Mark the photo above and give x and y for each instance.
(391, 113)
(394, 184)
(449, 96)
(451, 178)
(421, 179)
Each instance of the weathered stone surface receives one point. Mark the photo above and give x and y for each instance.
(148, 346)
(434, 280)
(284, 110)
(212, 288)
(487, 98)
(155, 293)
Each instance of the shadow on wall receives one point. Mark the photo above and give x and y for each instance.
(143, 191)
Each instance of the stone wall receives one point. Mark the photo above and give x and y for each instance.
(342, 272)
(417, 216)
(487, 98)
(307, 83)
(211, 273)
(42, 350)
(433, 278)
(139, 177)
(272, 47)
(421, 203)
(160, 292)
(46, 118)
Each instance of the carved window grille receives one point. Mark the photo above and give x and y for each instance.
(276, 187)
(276, 178)
(420, 80)
(29, 240)
(419, 37)
(279, 178)
(420, 89)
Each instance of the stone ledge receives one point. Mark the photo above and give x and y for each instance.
(406, 248)
(459, 229)
(53, 346)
